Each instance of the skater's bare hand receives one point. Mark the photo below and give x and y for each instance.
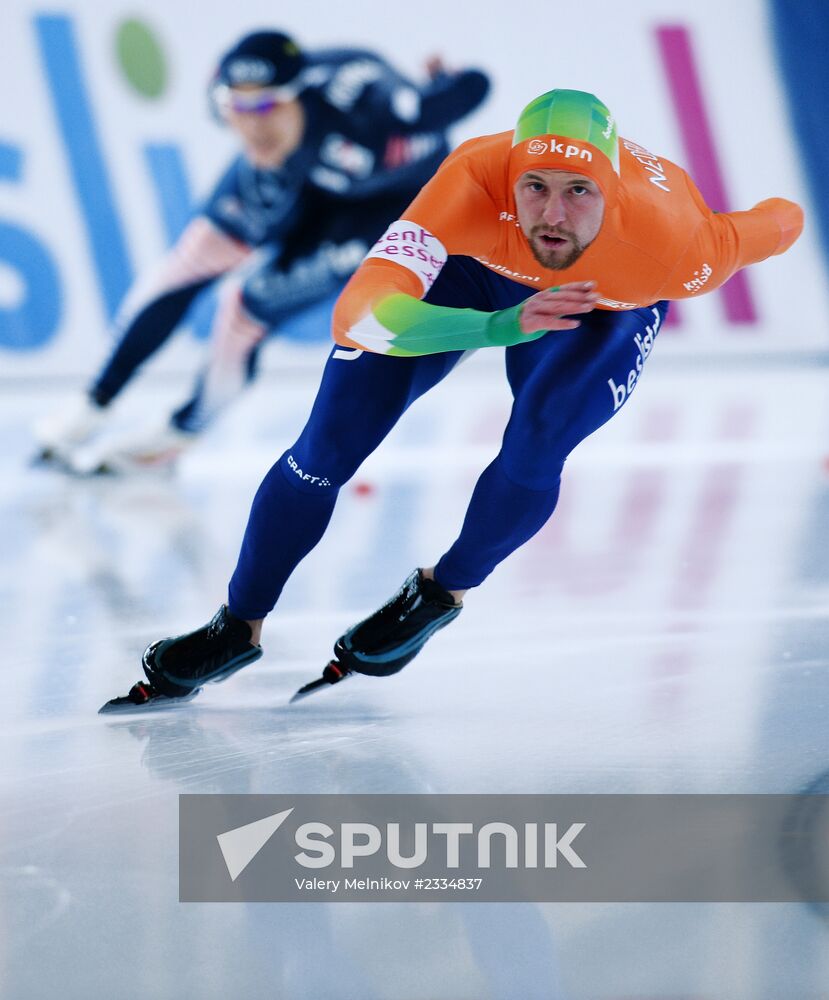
(544, 310)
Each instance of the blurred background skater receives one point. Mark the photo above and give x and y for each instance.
(335, 144)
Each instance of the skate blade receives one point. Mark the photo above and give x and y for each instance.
(107, 469)
(333, 674)
(158, 703)
(98, 464)
(50, 458)
(309, 689)
(43, 456)
(62, 462)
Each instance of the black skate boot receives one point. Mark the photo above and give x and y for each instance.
(177, 668)
(386, 641)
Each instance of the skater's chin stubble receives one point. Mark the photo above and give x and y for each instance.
(554, 261)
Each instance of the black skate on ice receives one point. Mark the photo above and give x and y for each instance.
(177, 668)
(386, 641)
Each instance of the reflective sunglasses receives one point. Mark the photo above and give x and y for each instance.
(257, 102)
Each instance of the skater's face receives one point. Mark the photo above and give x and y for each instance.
(269, 127)
(560, 213)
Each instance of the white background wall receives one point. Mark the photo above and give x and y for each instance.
(597, 45)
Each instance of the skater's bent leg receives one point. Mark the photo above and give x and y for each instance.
(501, 516)
(144, 334)
(360, 399)
(157, 303)
(273, 293)
(566, 386)
(284, 525)
(233, 340)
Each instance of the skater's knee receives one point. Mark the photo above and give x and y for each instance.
(533, 469)
(327, 453)
(314, 474)
(236, 330)
(254, 304)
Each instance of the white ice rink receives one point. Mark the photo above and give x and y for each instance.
(666, 632)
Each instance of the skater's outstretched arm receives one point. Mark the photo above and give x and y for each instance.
(722, 243)
(379, 98)
(397, 105)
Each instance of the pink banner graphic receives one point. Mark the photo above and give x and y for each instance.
(683, 81)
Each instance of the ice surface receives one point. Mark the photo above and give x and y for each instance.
(666, 632)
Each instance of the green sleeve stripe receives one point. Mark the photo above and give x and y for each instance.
(422, 328)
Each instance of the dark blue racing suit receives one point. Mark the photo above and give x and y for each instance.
(293, 236)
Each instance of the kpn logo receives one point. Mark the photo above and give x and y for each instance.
(445, 844)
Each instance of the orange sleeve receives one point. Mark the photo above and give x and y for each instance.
(722, 243)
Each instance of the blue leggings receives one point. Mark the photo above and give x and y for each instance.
(564, 386)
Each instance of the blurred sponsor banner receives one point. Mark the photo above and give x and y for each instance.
(107, 144)
(801, 35)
